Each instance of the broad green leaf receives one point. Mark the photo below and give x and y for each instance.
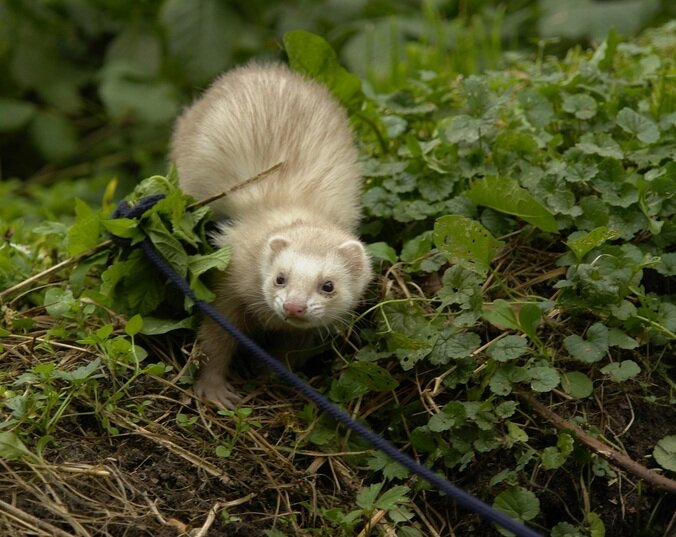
(617, 338)
(530, 316)
(465, 242)
(311, 54)
(383, 251)
(200, 36)
(508, 348)
(665, 452)
(583, 244)
(516, 434)
(517, 503)
(588, 350)
(576, 384)
(126, 95)
(621, 371)
(366, 498)
(85, 232)
(54, 135)
(153, 326)
(125, 228)
(543, 378)
(564, 529)
(371, 375)
(501, 314)
(505, 195)
(638, 125)
(168, 246)
(15, 114)
(583, 106)
(391, 497)
(134, 325)
(218, 260)
(552, 458)
(506, 375)
(59, 302)
(595, 524)
(12, 448)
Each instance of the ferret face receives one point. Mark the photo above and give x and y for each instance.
(309, 290)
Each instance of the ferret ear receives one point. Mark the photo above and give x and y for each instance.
(355, 254)
(276, 244)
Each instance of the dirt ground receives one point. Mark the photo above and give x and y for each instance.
(158, 477)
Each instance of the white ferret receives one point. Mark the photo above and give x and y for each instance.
(296, 261)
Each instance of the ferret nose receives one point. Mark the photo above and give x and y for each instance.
(294, 309)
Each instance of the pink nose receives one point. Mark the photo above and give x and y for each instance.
(294, 309)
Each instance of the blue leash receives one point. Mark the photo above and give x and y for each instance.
(463, 498)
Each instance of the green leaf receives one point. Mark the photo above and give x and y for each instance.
(543, 378)
(370, 375)
(392, 497)
(506, 375)
(54, 135)
(168, 246)
(581, 105)
(465, 242)
(517, 503)
(530, 316)
(501, 314)
(637, 125)
(588, 350)
(665, 452)
(595, 524)
(12, 448)
(311, 54)
(15, 114)
(617, 338)
(153, 326)
(126, 95)
(125, 228)
(134, 325)
(505, 195)
(200, 35)
(576, 384)
(217, 260)
(584, 243)
(383, 251)
(366, 498)
(621, 371)
(564, 529)
(508, 348)
(85, 232)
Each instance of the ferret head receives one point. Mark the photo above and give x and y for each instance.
(315, 280)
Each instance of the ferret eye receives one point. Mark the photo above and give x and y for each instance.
(328, 287)
(280, 279)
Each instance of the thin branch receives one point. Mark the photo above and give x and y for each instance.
(238, 186)
(614, 457)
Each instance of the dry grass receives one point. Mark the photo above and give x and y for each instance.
(115, 460)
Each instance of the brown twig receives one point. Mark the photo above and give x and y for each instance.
(238, 186)
(614, 457)
(56, 268)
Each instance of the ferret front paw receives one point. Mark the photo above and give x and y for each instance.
(216, 390)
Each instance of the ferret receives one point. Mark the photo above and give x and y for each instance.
(297, 263)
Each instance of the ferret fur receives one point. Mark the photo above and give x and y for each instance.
(297, 262)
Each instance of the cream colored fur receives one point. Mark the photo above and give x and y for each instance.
(297, 225)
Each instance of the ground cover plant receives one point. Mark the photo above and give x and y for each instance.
(519, 338)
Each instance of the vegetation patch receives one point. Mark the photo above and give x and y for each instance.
(519, 338)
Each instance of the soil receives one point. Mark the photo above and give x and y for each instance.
(162, 477)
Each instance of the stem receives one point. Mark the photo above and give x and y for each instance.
(614, 457)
